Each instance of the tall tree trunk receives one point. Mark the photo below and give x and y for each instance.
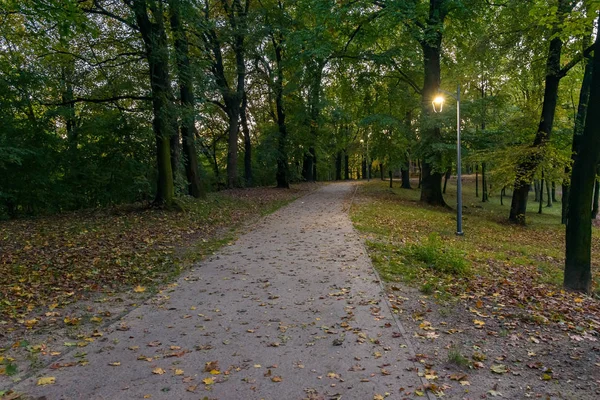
(431, 180)
(346, 165)
(595, 201)
(405, 172)
(578, 275)
(476, 180)
(554, 191)
(541, 193)
(364, 167)
(484, 184)
(186, 90)
(584, 95)
(282, 175)
(548, 195)
(391, 176)
(446, 177)
(536, 189)
(247, 142)
(527, 167)
(157, 54)
(338, 166)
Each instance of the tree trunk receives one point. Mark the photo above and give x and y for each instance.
(431, 181)
(548, 195)
(391, 180)
(247, 142)
(578, 275)
(338, 166)
(484, 185)
(346, 165)
(527, 167)
(157, 53)
(420, 173)
(541, 193)
(584, 95)
(476, 180)
(282, 175)
(446, 177)
(405, 172)
(536, 189)
(554, 191)
(364, 167)
(186, 90)
(595, 202)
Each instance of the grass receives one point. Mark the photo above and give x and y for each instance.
(416, 244)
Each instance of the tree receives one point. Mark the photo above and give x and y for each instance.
(578, 274)
(186, 91)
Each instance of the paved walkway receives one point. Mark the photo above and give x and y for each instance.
(292, 310)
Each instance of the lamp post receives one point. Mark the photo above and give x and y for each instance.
(439, 101)
(367, 165)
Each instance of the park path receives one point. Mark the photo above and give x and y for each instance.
(291, 310)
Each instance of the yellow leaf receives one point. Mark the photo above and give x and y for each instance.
(147, 396)
(114, 364)
(276, 379)
(215, 372)
(139, 289)
(31, 322)
(178, 372)
(96, 319)
(208, 381)
(479, 323)
(158, 371)
(46, 380)
(378, 397)
(578, 300)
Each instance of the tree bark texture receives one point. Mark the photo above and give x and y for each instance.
(431, 180)
(578, 274)
(186, 90)
(156, 51)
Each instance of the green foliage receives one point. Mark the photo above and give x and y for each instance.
(434, 254)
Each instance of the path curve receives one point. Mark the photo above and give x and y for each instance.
(291, 310)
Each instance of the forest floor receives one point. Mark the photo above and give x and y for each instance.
(65, 278)
(486, 311)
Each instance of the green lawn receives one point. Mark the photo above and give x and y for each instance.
(494, 260)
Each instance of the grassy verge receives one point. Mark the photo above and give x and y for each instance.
(47, 263)
(516, 269)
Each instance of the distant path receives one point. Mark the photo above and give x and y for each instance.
(292, 310)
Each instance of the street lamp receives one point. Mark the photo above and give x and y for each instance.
(438, 104)
(368, 166)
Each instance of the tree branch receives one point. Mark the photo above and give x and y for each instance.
(564, 70)
(105, 100)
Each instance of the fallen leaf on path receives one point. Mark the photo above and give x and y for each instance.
(158, 371)
(499, 369)
(139, 289)
(46, 380)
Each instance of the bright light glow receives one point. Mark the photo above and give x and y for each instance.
(438, 102)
